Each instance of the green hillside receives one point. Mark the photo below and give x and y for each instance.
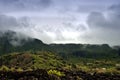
(29, 60)
(64, 50)
(74, 53)
(85, 50)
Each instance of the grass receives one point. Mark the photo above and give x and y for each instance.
(30, 61)
(96, 65)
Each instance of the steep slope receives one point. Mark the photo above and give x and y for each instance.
(16, 42)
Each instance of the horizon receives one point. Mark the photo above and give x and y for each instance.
(63, 21)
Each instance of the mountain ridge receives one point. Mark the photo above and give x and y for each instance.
(64, 50)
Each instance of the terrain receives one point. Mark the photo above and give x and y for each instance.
(31, 59)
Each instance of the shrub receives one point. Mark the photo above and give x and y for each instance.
(19, 69)
(4, 68)
(55, 72)
(12, 69)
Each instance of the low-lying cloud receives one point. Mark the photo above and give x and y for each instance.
(14, 26)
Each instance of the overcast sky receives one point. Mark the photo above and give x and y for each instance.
(63, 21)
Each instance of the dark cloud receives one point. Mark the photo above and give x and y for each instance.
(45, 3)
(23, 5)
(89, 8)
(96, 19)
(109, 21)
(104, 26)
(114, 14)
(12, 23)
(8, 22)
(115, 8)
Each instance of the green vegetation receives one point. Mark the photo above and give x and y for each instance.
(4, 68)
(30, 61)
(34, 54)
(56, 72)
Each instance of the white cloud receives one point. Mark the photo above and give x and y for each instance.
(58, 21)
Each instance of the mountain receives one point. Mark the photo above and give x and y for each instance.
(15, 42)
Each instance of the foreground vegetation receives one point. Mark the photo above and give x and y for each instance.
(42, 65)
(32, 61)
(42, 74)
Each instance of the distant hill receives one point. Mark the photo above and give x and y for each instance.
(13, 42)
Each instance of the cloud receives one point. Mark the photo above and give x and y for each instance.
(115, 8)
(89, 8)
(6, 22)
(12, 23)
(24, 25)
(74, 27)
(104, 26)
(96, 19)
(109, 21)
(15, 38)
(55, 30)
(14, 26)
(23, 5)
(67, 31)
(53, 25)
(19, 39)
